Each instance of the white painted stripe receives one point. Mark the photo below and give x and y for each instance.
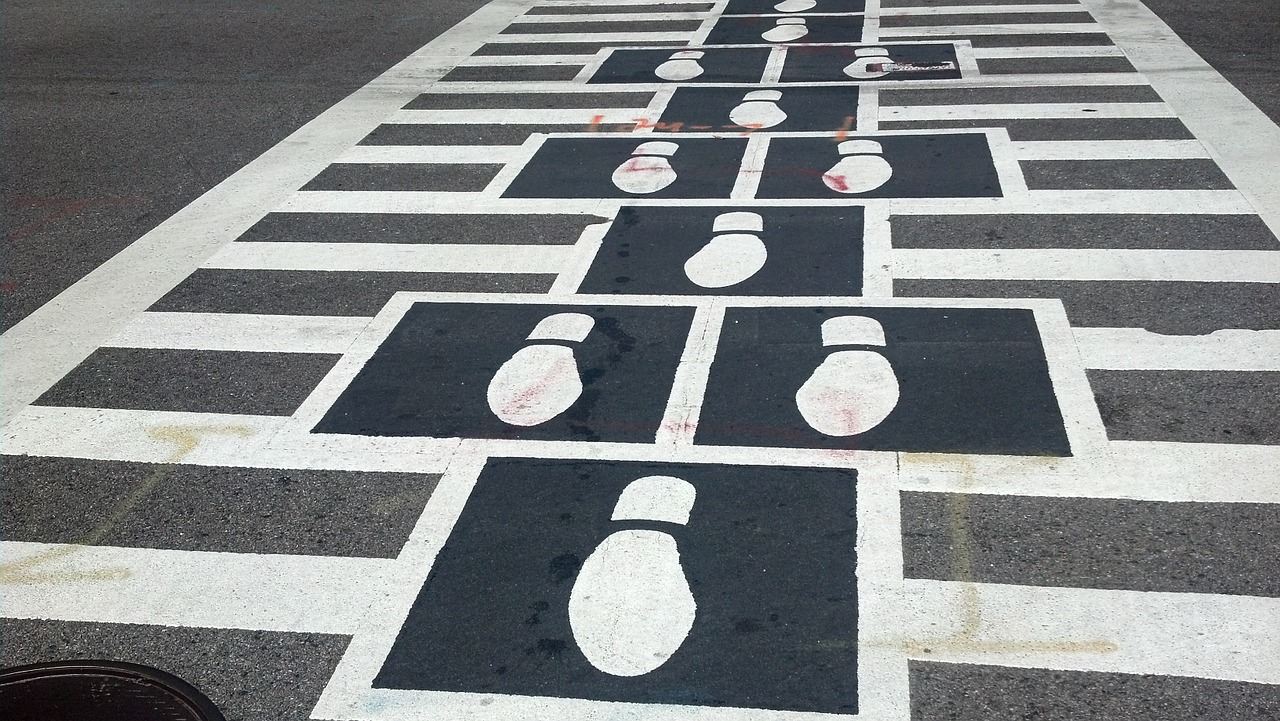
(982, 81)
(522, 60)
(1083, 629)
(1000, 111)
(1050, 51)
(1211, 202)
(1142, 470)
(615, 38)
(210, 439)
(609, 17)
(44, 346)
(517, 116)
(240, 332)
(1178, 202)
(1109, 149)
(1140, 349)
(105, 584)
(429, 154)
(1243, 140)
(591, 3)
(979, 10)
(406, 201)
(1238, 266)
(1008, 29)
(389, 257)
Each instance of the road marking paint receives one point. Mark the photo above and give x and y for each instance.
(615, 38)
(392, 257)
(1051, 51)
(1003, 29)
(517, 116)
(521, 60)
(609, 17)
(105, 584)
(1233, 266)
(113, 434)
(239, 332)
(1109, 149)
(429, 154)
(997, 9)
(1010, 111)
(1140, 349)
(1088, 630)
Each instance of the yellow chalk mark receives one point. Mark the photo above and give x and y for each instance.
(185, 439)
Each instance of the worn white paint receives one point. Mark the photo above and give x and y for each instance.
(933, 31)
(239, 332)
(106, 584)
(1140, 349)
(1235, 266)
(1108, 149)
(392, 257)
(1016, 111)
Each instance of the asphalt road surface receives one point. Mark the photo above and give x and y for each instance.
(460, 360)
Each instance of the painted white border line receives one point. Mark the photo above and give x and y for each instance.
(1140, 470)
(608, 17)
(239, 332)
(516, 116)
(393, 257)
(1084, 629)
(47, 344)
(106, 584)
(935, 31)
(1242, 139)
(1233, 266)
(592, 3)
(1050, 51)
(994, 111)
(619, 37)
(429, 154)
(202, 439)
(522, 60)
(979, 10)
(1109, 149)
(1140, 349)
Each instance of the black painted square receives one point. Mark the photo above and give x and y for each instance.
(972, 380)
(718, 65)
(701, 109)
(431, 376)
(957, 165)
(588, 167)
(784, 29)
(914, 61)
(813, 251)
(768, 554)
(757, 7)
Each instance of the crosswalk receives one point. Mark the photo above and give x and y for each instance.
(1022, 219)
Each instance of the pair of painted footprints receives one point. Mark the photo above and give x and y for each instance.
(850, 392)
(861, 167)
(868, 64)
